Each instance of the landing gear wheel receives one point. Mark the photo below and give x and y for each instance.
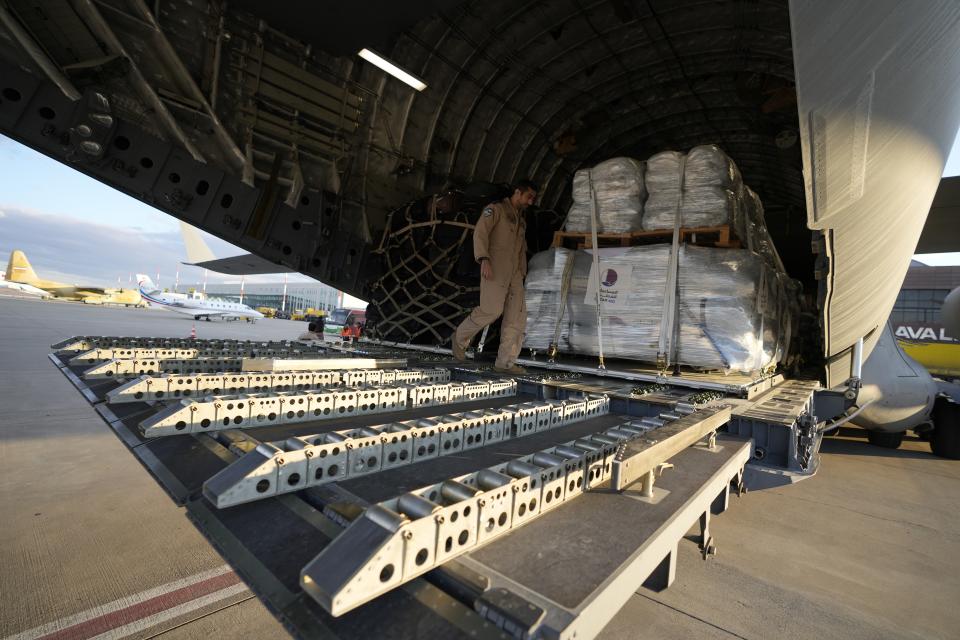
(884, 439)
(945, 438)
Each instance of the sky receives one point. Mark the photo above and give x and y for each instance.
(77, 230)
(74, 229)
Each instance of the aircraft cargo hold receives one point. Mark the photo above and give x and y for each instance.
(271, 134)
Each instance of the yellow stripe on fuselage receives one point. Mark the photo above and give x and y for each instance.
(940, 358)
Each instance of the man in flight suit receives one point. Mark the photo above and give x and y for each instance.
(500, 246)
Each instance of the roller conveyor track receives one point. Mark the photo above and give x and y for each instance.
(182, 366)
(185, 366)
(314, 460)
(87, 343)
(167, 353)
(244, 411)
(175, 386)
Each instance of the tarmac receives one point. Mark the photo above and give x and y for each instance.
(867, 548)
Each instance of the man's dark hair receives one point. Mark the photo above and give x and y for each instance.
(526, 185)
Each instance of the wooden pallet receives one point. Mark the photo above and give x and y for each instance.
(721, 236)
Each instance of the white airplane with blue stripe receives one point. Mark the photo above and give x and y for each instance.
(199, 308)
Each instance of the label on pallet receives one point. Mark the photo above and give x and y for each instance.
(615, 284)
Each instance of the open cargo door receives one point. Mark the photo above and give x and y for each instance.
(878, 92)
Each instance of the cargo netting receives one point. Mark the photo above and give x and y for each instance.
(430, 280)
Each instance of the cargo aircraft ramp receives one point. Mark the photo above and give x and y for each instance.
(482, 490)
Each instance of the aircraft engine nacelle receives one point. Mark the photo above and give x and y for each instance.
(900, 391)
(950, 312)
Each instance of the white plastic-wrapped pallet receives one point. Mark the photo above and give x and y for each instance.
(542, 291)
(620, 194)
(755, 234)
(732, 306)
(710, 182)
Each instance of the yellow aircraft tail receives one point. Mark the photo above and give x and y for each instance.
(19, 269)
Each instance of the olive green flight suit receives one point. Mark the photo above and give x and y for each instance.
(500, 236)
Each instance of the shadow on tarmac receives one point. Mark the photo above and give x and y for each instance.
(850, 441)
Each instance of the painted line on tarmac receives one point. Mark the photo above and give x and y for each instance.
(136, 613)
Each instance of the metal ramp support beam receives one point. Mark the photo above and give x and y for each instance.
(638, 459)
(326, 361)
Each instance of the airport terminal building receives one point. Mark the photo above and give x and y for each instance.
(298, 295)
(922, 295)
(916, 318)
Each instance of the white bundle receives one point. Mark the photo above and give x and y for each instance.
(711, 189)
(755, 230)
(620, 194)
(707, 166)
(542, 291)
(663, 172)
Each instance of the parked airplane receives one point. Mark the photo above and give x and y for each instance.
(19, 271)
(23, 288)
(195, 305)
(200, 255)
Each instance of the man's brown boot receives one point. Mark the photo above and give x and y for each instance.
(511, 370)
(459, 353)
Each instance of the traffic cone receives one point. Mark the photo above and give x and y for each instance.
(193, 332)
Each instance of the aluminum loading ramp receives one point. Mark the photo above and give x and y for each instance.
(556, 576)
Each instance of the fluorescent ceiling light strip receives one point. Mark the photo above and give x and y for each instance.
(392, 69)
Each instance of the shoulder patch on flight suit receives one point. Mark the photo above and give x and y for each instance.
(488, 212)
